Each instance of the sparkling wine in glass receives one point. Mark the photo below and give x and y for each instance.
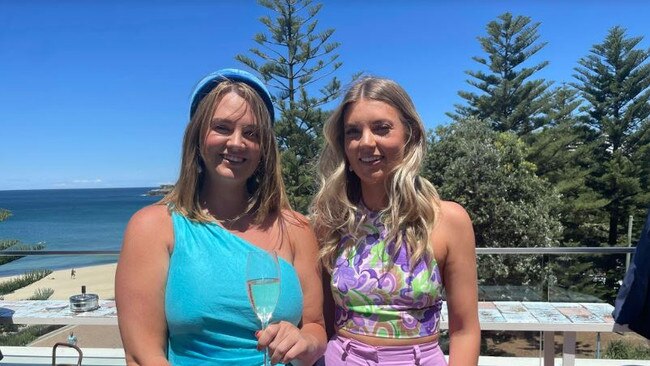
(263, 285)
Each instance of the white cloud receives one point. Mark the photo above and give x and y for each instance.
(80, 183)
(87, 181)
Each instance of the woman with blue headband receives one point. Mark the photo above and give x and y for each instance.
(181, 277)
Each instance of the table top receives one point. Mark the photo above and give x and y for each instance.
(543, 316)
(55, 312)
(493, 315)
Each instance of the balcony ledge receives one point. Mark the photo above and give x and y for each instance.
(15, 356)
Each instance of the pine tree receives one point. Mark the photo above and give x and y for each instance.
(509, 98)
(296, 59)
(562, 153)
(614, 80)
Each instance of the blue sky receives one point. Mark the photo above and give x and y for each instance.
(95, 94)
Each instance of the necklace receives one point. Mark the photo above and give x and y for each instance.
(235, 222)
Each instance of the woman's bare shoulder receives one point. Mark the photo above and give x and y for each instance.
(453, 214)
(455, 228)
(150, 224)
(152, 215)
(299, 230)
(295, 221)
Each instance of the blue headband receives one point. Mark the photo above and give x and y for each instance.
(209, 82)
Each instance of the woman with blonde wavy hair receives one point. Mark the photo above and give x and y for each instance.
(181, 278)
(388, 242)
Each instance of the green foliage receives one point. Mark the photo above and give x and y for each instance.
(562, 153)
(15, 245)
(42, 294)
(4, 214)
(26, 335)
(625, 350)
(5, 244)
(510, 206)
(295, 60)
(614, 80)
(509, 98)
(16, 283)
(590, 140)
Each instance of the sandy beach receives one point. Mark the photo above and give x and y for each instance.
(97, 279)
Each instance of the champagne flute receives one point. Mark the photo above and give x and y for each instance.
(263, 285)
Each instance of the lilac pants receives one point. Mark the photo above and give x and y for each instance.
(346, 351)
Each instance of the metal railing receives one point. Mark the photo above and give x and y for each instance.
(557, 250)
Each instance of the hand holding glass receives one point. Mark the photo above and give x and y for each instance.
(263, 285)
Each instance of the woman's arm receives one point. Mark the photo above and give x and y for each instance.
(140, 286)
(305, 345)
(461, 285)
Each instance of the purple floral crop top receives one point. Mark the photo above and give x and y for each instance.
(375, 300)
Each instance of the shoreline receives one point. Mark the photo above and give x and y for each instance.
(98, 279)
(21, 266)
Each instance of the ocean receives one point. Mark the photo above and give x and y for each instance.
(68, 219)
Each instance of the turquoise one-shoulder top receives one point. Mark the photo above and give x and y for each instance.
(210, 320)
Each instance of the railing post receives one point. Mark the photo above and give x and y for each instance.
(569, 349)
(629, 241)
(549, 348)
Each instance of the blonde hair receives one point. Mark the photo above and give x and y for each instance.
(266, 188)
(413, 202)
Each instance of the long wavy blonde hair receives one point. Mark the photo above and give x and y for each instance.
(265, 187)
(413, 202)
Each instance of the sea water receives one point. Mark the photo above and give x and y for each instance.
(68, 219)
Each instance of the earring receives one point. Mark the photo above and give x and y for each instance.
(199, 165)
